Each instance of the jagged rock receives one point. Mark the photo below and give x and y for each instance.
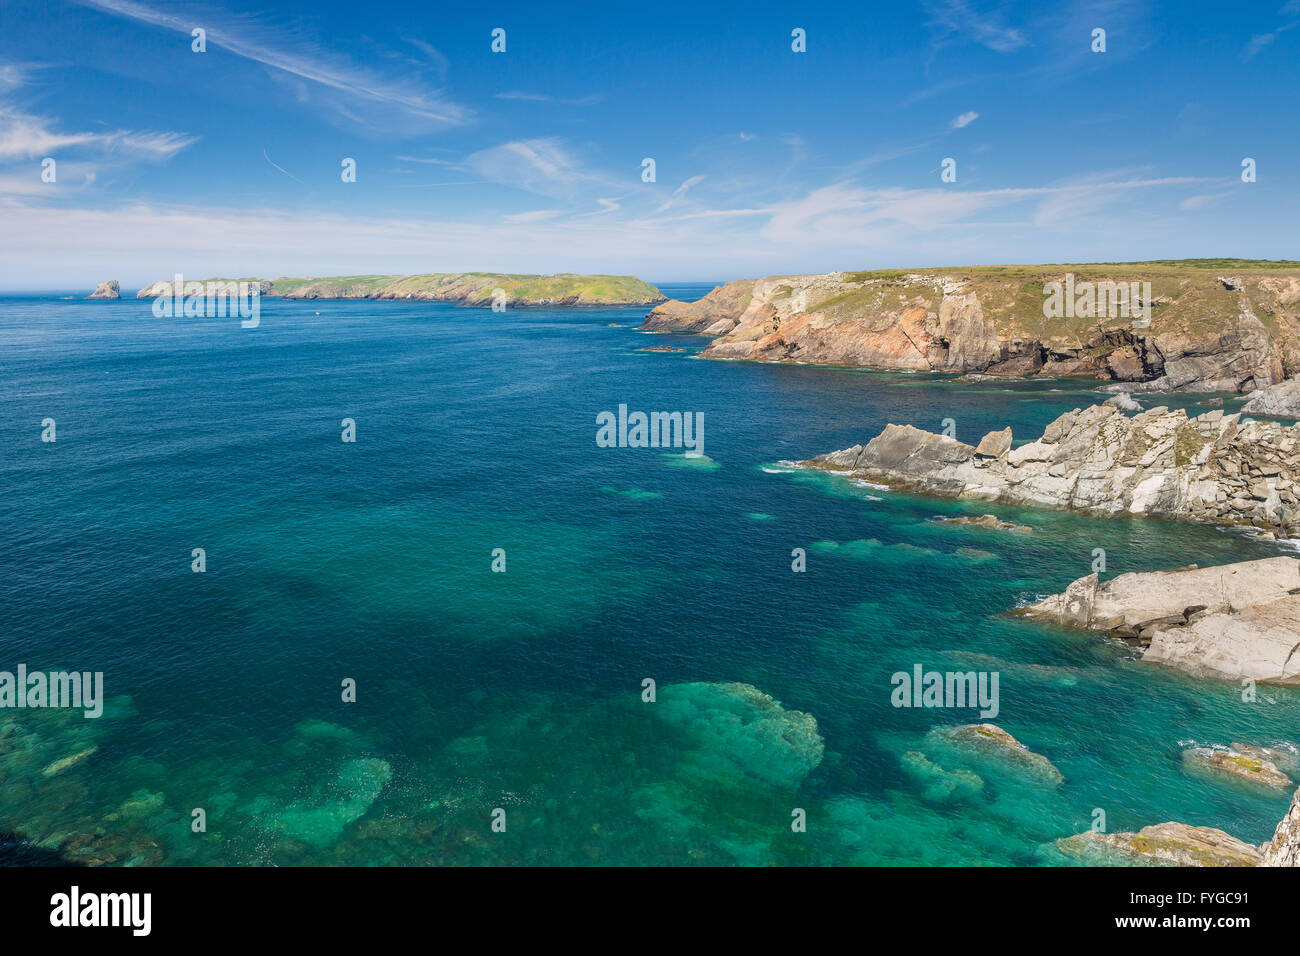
(991, 740)
(1279, 401)
(106, 290)
(994, 444)
(1124, 402)
(1230, 621)
(1232, 764)
(1099, 461)
(1284, 848)
(1165, 844)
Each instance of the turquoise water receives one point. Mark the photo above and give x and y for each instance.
(523, 690)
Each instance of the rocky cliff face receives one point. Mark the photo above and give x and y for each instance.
(1284, 848)
(472, 289)
(1206, 332)
(1232, 622)
(106, 290)
(1099, 461)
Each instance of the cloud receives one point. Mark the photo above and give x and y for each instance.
(961, 20)
(544, 98)
(680, 192)
(367, 99)
(964, 120)
(542, 166)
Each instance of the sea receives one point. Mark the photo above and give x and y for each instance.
(473, 635)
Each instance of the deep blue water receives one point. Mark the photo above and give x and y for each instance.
(521, 690)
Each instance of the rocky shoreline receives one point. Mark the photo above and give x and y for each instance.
(1233, 621)
(1214, 467)
(1201, 330)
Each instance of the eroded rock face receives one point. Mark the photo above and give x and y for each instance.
(1099, 461)
(1281, 400)
(1203, 334)
(1231, 622)
(1284, 848)
(106, 290)
(715, 314)
(1165, 844)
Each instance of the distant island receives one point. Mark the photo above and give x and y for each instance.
(464, 288)
(1197, 325)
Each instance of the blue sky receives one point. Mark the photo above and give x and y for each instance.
(767, 161)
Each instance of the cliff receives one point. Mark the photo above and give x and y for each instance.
(1214, 325)
(1099, 461)
(469, 288)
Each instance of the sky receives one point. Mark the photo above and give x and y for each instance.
(767, 160)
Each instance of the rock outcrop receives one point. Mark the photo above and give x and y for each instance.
(1281, 400)
(1232, 621)
(1233, 765)
(1177, 844)
(1284, 848)
(106, 290)
(469, 288)
(1096, 460)
(715, 314)
(1192, 332)
(1165, 844)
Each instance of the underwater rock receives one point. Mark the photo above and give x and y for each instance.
(319, 820)
(938, 783)
(72, 760)
(1234, 765)
(739, 731)
(993, 741)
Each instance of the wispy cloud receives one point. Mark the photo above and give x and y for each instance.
(544, 98)
(364, 91)
(955, 20)
(544, 166)
(964, 120)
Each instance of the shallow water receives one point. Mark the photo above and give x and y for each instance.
(523, 690)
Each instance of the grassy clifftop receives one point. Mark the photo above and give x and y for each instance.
(466, 288)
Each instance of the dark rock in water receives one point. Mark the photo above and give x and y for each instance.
(992, 522)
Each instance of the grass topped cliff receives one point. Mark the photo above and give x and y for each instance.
(1196, 324)
(466, 288)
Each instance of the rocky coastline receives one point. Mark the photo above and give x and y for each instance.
(1214, 467)
(479, 289)
(1200, 329)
